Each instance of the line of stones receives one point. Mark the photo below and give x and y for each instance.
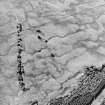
(20, 68)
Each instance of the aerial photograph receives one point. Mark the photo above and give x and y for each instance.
(52, 52)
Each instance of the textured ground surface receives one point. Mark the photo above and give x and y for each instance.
(60, 38)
